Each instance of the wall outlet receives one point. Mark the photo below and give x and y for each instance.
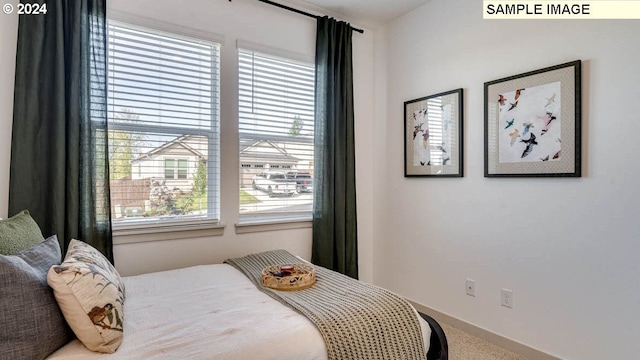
(506, 297)
(471, 287)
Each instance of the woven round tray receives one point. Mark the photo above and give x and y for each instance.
(302, 276)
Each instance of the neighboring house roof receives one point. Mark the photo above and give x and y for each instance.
(250, 151)
(264, 151)
(181, 142)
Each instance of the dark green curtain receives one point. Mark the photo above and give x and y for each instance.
(59, 158)
(335, 238)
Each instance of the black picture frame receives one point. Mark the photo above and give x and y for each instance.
(532, 123)
(433, 135)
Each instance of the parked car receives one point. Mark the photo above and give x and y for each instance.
(274, 183)
(304, 181)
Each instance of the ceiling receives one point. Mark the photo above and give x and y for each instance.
(367, 13)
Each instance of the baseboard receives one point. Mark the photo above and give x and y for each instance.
(487, 335)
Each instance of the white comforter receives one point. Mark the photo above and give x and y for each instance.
(208, 312)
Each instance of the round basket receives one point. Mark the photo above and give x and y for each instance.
(301, 276)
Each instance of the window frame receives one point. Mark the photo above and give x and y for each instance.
(208, 224)
(252, 222)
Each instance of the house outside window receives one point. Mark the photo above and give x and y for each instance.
(276, 126)
(163, 118)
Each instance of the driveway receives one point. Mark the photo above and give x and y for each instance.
(295, 203)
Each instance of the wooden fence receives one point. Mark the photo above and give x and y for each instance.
(128, 193)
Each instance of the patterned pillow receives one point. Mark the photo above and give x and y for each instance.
(19, 233)
(32, 325)
(91, 296)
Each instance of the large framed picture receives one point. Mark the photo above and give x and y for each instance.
(532, 123)
(433, 135)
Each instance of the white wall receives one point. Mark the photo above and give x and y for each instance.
(8, 37)
(566, 247)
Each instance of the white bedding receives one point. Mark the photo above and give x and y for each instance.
(208, 312)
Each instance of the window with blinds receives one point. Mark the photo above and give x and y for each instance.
(276, 120)
(163, 101)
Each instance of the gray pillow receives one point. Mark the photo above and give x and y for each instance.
(19, 233)
(32, 324)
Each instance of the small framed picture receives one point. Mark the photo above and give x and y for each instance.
(532, 124)
(433, 135)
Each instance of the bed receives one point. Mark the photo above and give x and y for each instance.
(215, 312)
(218, 311)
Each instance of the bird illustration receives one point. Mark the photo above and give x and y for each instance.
(530, 143)
(501, 99)
(545, 158)
(416, 130)
(527, 126)
(557, 155)
(421, 113)
(509, 123)
(551, 100)
(548, 118)
(425, 138)
(99, 314)
(444, 161)
(514, 136)
(518, 92)
(513, 105)
(441, 148)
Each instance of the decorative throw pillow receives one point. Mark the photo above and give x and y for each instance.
(19, 233)
(90, 293)
(32, 325)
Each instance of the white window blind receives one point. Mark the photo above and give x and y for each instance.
(276, 120)
(163, 101)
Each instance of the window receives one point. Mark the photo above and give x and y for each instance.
(276, 125)
(163, 101)
(175, 169)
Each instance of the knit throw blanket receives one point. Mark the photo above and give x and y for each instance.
(357, 320)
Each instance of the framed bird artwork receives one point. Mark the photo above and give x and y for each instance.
(532, 123)
(433, 135)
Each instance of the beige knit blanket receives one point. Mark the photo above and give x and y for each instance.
(358, 321)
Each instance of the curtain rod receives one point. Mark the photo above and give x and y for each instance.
(301, 12)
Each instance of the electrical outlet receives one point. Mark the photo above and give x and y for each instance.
(471, 287)
(506, 298)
